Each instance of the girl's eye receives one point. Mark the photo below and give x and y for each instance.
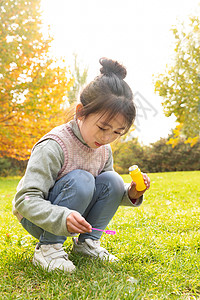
(103, 129)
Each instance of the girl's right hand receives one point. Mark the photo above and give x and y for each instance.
(77, 224)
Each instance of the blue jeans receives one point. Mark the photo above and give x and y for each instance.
(96, 199)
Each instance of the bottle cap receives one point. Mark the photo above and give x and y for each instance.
(133, 168)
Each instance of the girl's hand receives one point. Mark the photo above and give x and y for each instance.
(77, 224)
(133, 193)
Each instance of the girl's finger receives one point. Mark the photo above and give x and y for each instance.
(76, 227)
(82, 221)
(76, 223)
(146, 180)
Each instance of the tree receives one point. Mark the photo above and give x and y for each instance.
(158, 157)
(79, 81)
(161, 157)
(180, 85)
(33, 87)
(126, 154)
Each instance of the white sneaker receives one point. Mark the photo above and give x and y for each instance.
(51, 257)
(92, 248)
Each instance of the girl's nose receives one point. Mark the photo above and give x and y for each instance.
(105, 138)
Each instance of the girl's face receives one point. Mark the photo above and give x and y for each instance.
(96, 131)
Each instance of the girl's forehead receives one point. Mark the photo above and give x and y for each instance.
(107, 119)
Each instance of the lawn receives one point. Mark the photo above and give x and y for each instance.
(158, 245)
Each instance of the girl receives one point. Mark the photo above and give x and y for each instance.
(70, 185)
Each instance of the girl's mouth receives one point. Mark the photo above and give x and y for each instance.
(98, 145)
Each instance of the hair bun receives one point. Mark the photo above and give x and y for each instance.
(110, 66)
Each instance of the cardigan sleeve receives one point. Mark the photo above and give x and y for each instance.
(31, 199)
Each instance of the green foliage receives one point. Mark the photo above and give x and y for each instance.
(158, 245)
(159, 157)
(126, 154)
(180, 85)
(12, 167)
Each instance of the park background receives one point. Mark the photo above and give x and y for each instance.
(50, 51)
(42, 71)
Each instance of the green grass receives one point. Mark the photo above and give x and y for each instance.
(158, 245)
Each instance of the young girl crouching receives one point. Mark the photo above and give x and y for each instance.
(70, 186)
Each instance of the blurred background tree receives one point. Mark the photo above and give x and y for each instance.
(180, 85)
(127, 153)
(157, 157)
(33, 85)
(36, 91)
(80, 79)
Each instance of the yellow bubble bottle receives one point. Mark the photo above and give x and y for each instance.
(137, 177)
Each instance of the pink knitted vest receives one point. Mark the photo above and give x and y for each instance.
(76, 154)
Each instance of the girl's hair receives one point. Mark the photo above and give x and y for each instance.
(109, 94)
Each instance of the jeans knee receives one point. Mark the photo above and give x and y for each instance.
(77, 185)
(85, 185)
(115, 183)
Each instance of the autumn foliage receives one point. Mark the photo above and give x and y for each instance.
(179, 86)
(33, 85)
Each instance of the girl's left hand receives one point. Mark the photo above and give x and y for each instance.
(133, 193)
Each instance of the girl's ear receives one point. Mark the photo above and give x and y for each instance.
(79, 107)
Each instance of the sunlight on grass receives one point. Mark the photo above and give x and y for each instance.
(158, 245)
